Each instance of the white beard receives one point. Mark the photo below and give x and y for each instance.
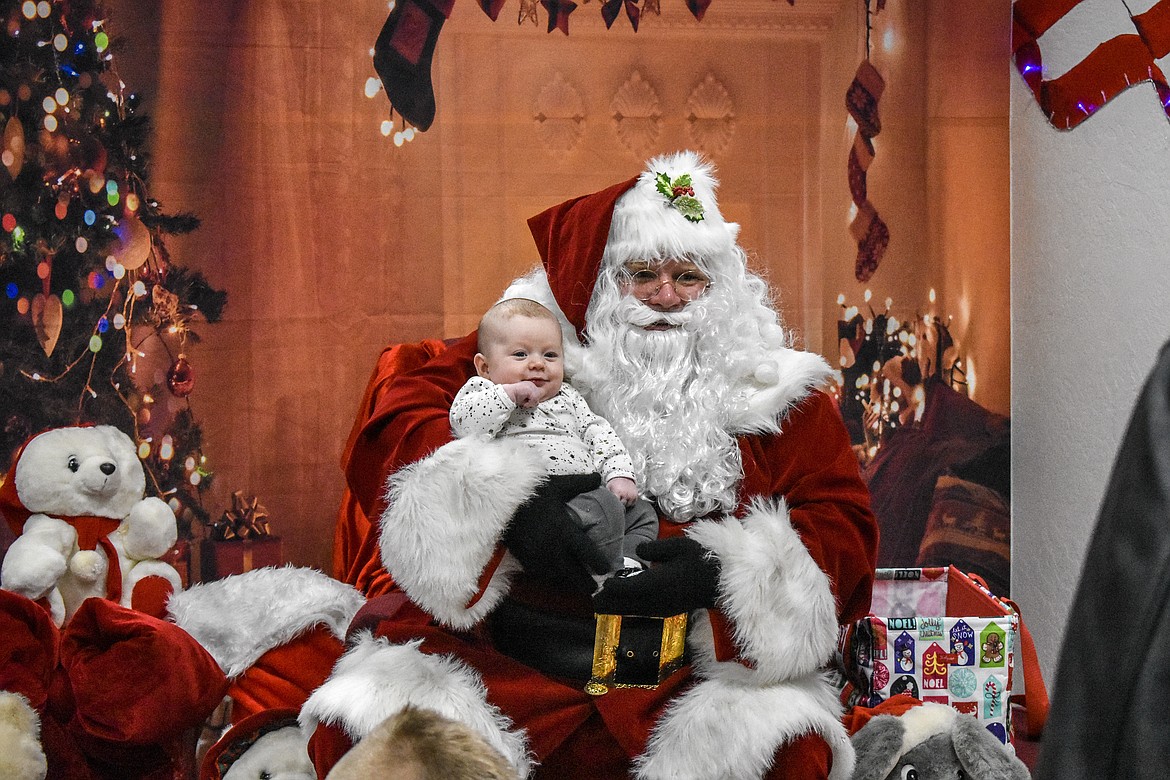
(668, 397)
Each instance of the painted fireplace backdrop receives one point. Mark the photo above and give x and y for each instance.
(332, 241)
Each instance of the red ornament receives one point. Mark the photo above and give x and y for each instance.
(181, 378)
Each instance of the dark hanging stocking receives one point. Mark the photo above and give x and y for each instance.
(403, 54)
(868, 229)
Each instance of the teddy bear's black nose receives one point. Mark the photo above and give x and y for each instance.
(107, 468)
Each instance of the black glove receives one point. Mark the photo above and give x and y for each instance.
(551, 545)
(684, 577)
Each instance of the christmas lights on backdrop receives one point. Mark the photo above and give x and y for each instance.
(884, 365)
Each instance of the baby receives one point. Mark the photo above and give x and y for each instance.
(520, 392)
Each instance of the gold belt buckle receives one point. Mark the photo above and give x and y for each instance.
(634, 651)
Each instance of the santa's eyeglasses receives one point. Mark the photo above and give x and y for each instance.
(645, 282)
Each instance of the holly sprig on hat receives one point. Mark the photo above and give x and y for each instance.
(680, 194)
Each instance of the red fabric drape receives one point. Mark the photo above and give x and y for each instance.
(353, 524)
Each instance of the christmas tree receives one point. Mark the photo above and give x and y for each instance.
(95, 316)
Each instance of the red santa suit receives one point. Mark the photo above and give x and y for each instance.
(796, 558)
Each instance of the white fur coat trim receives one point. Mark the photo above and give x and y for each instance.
(722, 730)
(445, 515)
(241, 617)
(785, 377)
(779, 601)
(375, 679)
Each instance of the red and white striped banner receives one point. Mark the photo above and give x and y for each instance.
(1076, 55)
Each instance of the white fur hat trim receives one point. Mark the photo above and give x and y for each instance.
(646, 225)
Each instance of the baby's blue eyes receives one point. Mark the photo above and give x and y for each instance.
(547, 355)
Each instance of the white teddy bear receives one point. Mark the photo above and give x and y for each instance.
(75, 498)
(282, 754)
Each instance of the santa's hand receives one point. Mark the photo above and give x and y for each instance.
(524, 394)
(552, 546)
(624, 488)
(683, 576)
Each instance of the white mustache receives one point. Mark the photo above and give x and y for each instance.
(634, 312)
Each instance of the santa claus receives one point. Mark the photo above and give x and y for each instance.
(767, 541)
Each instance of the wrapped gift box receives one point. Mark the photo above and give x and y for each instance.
(940, 636)
(221, 558)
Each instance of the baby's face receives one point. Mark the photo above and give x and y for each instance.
(529, 349)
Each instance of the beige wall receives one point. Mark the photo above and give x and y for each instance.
(332, 242)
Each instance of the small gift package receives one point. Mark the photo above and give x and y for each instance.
(240, 541)
(630, 651)
(939, 635)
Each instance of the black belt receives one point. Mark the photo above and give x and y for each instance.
(557, 645)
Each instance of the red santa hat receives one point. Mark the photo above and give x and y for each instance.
(670, 210)
(139, 684)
